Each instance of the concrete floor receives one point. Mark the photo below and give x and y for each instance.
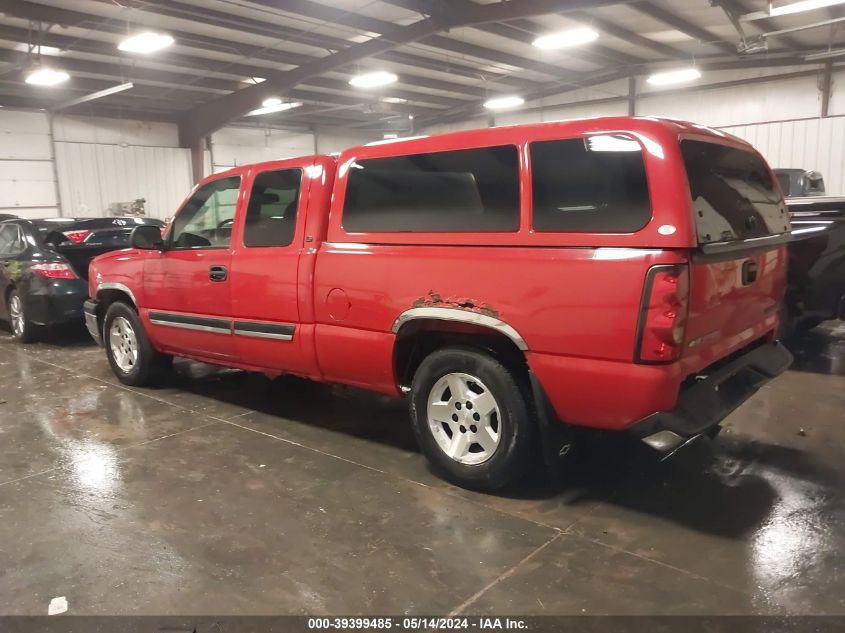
(224, 493)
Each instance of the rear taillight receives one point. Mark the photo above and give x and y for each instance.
(77, 237)
(55, 270)
(663, 314)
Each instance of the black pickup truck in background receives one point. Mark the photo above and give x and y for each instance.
(816, 282)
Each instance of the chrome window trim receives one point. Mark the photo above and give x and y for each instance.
(462, 316)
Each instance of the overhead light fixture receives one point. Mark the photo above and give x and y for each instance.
(270, 102)
(146, 42)
(45, 76)
(504, 103)
(373, 80)
(394, 100)
(253, 80)
(789, 9)
(670, 77)
(278, 107)
(566, 39)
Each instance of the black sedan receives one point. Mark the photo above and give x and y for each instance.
(44, 267)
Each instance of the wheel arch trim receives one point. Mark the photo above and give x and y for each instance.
(461, 316)
(111, 285)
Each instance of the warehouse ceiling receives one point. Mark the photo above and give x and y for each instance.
(450, 56)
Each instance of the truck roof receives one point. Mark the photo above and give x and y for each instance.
(497, 134)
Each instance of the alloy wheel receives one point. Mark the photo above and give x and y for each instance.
(123, 344)
(464, 418)
(16, 315)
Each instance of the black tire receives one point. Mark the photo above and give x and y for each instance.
(24, 330)
(149, 365)
(516, 429)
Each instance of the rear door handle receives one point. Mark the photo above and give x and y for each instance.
(749, 272)
(218, 273)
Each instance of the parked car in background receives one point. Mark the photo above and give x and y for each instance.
(816, 281)
(635, 288)
(7, 216)
(44, 267)
(800, 183)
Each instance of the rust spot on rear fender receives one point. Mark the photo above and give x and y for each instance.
(435, 300)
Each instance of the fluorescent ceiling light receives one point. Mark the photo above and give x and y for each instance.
(804, 5)
(95, 95)
(388, 137)
(146, 42)
(373, 80)
(46, 77)
(253, 80)
(566, 39)
(503, 103)
(674, 77)
(789, 9)
(270, 102)
(395, 100)
(279, 107)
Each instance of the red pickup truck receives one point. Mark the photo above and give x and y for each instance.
(618, 273)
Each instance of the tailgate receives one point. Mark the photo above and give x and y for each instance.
(738, 271)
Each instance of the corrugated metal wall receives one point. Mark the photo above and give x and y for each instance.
(811, 144)
(27, 179)
(92, 176)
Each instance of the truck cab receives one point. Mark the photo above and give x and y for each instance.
(504, 281)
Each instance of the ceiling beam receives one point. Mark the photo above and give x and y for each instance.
(172, 80)
(687, 28)
(323, 42)
(737, 8)
(209, 117)
(622, 33)
(90, 109)
(521, 31)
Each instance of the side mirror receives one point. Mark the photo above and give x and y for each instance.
(146, 237)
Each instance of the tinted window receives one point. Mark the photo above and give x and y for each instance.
(206, 219)
(594, 185)
(271, 213)
(733, 193)
(464, 190)
(11, 240)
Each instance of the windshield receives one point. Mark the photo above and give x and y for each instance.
(733, 193)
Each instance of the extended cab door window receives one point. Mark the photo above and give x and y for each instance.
(271, 212)
(207, 218)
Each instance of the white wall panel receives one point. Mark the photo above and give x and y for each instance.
(234, 146)
(807, 144)
(27, 179)
(93, 176)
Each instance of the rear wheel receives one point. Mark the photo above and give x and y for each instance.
(22, 328)
(132, 358)
(471, 418)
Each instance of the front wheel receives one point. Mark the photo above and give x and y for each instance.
(471, 418)
(132, 358)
